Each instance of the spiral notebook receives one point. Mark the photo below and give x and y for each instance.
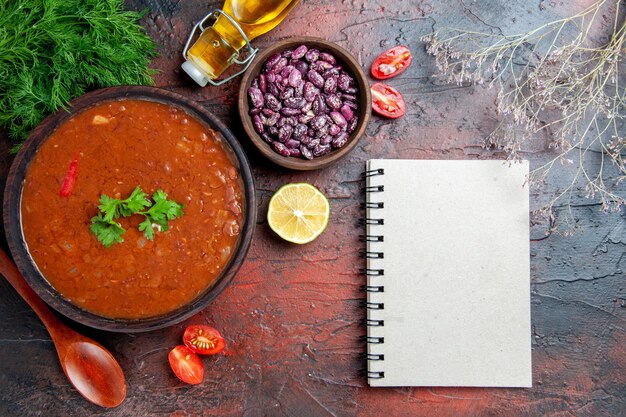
(448, 282)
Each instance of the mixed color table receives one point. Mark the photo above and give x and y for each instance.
(292, 316)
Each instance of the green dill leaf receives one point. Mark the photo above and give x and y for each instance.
(108, 232)
(55, 50)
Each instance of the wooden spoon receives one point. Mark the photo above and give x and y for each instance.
(89, 366)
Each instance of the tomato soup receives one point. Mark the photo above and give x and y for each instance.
(117, 146)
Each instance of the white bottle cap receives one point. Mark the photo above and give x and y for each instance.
(195, 73)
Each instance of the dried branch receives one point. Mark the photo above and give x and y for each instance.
(568, 90)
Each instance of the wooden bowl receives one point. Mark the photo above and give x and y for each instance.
(364, 102)
(13, 218)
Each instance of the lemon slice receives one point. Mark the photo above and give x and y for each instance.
(298, 212)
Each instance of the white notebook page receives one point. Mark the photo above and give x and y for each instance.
(456, 274)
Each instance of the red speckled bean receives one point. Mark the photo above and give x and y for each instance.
(314, 143)
(299, 130)
(280, 65)
(273, 89)
(347, 112)
(262, 83)
(333, 72)
(344, 82)
(320, 150)
(295, 77)
(256, 97)
(319, 105)
(325, 56)
(330, 85)
(340, 140)
(352, 124)
(306, 152)
(288, 111)
(287, 71)
(312, 55)
(292, 143)
(257, 123)
(302, 66)
(272, 102)
(272, 120)
(305, 140)
(338, 119)
(321, 133)
(294, 102)
(286, 93)
(350, 104)
(305, 118)
(310, 91)
(315, 78)
(318, 122)
(280, 148)
(284, 133)
(321, 66)
(333, 101)
(299, 52)
(273, 60)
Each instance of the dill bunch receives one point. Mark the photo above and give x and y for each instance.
(52, 51)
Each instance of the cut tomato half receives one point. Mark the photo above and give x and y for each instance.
(392, 62)
(203, 339)
(186, 365)
(387, 101)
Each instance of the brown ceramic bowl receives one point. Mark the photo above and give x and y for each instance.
(13, 216)
(351, 66)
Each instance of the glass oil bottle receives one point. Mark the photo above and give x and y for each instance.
(234, 27)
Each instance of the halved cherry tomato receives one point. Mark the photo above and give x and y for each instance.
(387, 101)
(392, 62)
(186, 365)
(204, 340)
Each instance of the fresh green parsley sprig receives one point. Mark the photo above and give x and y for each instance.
(109, 231)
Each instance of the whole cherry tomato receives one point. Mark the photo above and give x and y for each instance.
(392, 62)
(202, 339)
(387, 101)
(186, 365)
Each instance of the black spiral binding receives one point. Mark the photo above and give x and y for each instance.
(377, 220)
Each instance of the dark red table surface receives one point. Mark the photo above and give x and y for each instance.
(291, 317)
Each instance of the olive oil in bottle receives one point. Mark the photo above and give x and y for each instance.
(218, 46)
